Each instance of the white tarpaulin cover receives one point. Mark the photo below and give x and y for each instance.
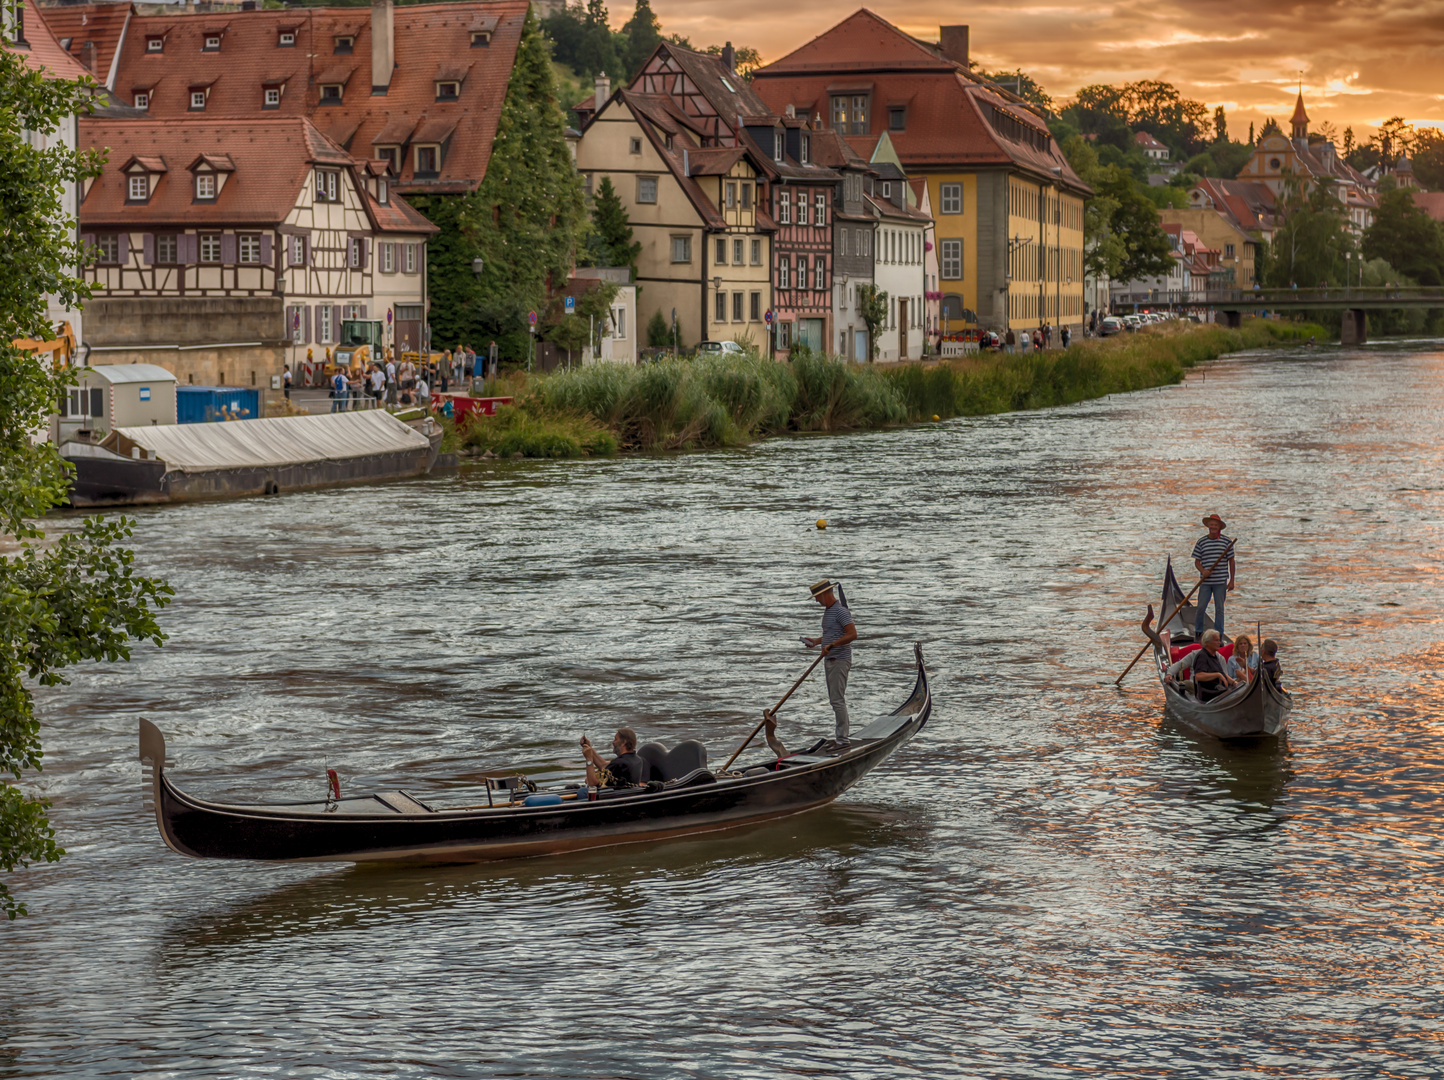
(277, 441)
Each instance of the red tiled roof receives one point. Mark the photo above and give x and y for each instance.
(272, 159)
(1431, 202)
(429, 38)
(832, 150)
(97, 24)
(864, 41)
(44, 52)
(1146, 140)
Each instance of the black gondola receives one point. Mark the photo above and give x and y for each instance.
(397, 827)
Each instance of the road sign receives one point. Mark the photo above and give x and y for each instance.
(571, 305)
(388, 316)
(531, 317)
(768, 316)
(296, 320)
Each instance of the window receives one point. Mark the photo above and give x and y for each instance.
(779, 146)
(206, 186)
(806, 144)
(819, 273)
(951, 198)
(720, 259)
(1228, 251)
(139, 189)
(272, 97)
(681, 249)
(784, 335)
(480, 39)
(392, 156)
(784, 208)
(323, 323)
(670, 143)
(388, 258)
(897, 119)
(248, 249)
(784, 273)
(345, 44)
(107, 248)
(738, 246)
(142, 100)
(754, 307)
(757, 253)
(842, 242)
(731, 194)
(802, 208)
(213, 43)
(820, 209)
(353, 253)
(619, 322)
(747, 195)
(383, 191)
(410, 266)
(330, 93)
(839, 114)
(198, 99)
(298, 251)
(646, 189)
(951, 259)
(719, 307)
(154, 44)
(426, 160)
(165, 248)
(328, 185)
(859, 114)
(849, 114)
(210, 247)
(634, 146)
(887, 189)
(448, 91)
(738, 299)
(287, 39)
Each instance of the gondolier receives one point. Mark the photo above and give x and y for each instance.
(1215, 572)
(838, 634)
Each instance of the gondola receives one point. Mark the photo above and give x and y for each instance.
(1255, 710)
(398, 827)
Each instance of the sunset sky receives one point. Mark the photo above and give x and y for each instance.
(1362, 62)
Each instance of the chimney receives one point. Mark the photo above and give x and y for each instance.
(383, 45)
(953, 41)
(729, 57)
(88, 52)
(604, 91)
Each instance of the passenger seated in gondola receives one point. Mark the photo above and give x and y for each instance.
(1244, 661)
(1269, 661)
(1209, 669)
(628, 768)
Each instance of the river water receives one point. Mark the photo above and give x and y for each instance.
(1054, 880)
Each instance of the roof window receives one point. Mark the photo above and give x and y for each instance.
(142, 99)
(154, 43)
(428, 160)
(198, 97)
(205, 187)
(806, 154)
(286, 40)
(271, 97)
(331, 93)
(481, 39)
(448, 91)
(383, 191)
(212, 43)
(345, 44)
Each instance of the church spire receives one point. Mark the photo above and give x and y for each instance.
(1301, 119)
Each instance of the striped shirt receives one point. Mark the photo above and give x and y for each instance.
(835, 621)
(1209, 549)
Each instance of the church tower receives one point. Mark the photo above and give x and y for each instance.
(1301, 122)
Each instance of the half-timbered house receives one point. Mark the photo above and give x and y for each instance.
(852, 252)
(223, 250)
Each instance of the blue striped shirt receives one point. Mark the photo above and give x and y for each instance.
(1209, 549)
(835, 621)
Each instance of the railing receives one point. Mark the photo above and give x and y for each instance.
(1321, 296)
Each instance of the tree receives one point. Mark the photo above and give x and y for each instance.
(1021, 84)
(610, 242)
(525, 221)
(659, 334)
(597, 51)
(1348, 141)
(1428, 158)
(1311, 243)
(1122, 238)
(1202, 165)
(1220, 125)
(593, 310)
(1250, 133)
(1407, 238)
(643, 32)
(745, 59)
(76, 598)
(872, 309)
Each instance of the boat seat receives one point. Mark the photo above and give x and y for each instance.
(668, 765)
(695, 778)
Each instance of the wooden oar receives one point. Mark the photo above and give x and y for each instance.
(1168, 615)
(771, 714)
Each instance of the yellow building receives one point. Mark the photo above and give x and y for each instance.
(706, 252)
(1008, 209)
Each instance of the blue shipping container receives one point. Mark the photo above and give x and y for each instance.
(204, 404)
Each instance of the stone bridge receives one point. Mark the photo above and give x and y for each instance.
(1355, 302)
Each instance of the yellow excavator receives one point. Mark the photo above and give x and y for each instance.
(363, 342)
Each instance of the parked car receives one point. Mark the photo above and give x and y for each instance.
(722, 348)
(1110, 326)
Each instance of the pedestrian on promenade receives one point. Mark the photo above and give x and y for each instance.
(1011, 341)
(339, 392)
(423, 392)
(838, 634)
(286, 383)
(391, 386)
(1038, 339)
(1067, 336)
(1216, 573)
(378, 384)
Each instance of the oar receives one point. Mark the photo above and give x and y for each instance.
(771, 713)
(1164, 621)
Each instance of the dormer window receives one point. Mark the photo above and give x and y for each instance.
(481, 39)
(428, 160)
(383, 191)
(138, 188)
(287, 39)
(887, 189)
(198, 99)
(154, 43)
(669, 142)
(806, 149)
(142, 99)
(328, 185)
(345, 45)
(205, 186)
(331, 94)
(392, 156)
(448, 91)
(212, 43)
(271, 97)
(779, 146)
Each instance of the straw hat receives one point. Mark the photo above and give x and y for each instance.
(1214, 517)
(821, 587)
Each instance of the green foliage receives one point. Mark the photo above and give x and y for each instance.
(592, 312)
(1114, 113)
(610, 242)
(659, 334)
(523, 430)
(1021, 84)
(643, 33)
(1165, 196)
(77, 598)
(1311, 244)
(1407, 238)
(1122, 237)
(745, 59)
(1202, 165)
(872, 310)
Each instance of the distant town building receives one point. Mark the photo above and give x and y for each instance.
(1151, 147)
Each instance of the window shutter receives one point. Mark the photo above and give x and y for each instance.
(335, 322)
(88, 239)
(305, 251)
(149, 242)
(188, 248)
(228, 249)
(265, 249)
(365, 251)
(316, 329)
(305, 325)
(97, 401)
(122, 244)
(363, 311)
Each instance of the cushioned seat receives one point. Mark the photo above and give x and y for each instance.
(670, 764)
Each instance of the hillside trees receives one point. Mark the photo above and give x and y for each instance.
(1121, 234)
(1407, 238)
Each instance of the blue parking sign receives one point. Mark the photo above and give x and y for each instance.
(571, 305)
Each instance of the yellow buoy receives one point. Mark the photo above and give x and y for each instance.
(822, 523)
(936, 417)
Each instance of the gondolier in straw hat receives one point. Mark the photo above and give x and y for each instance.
(1216, 574)
(838, 634)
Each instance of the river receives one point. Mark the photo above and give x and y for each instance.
(1054, 880)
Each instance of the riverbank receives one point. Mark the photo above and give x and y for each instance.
(714, 402)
